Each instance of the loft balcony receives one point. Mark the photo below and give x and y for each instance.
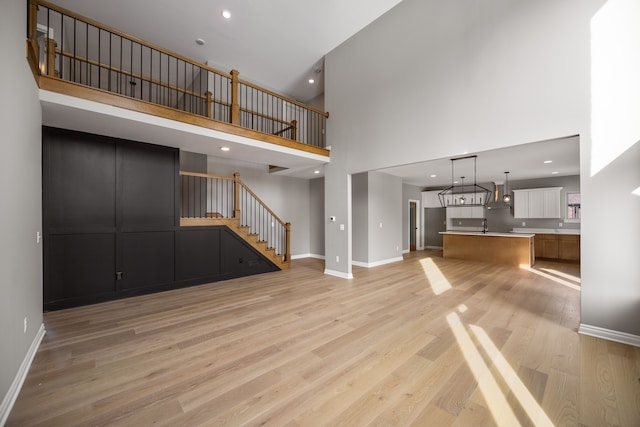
(93, 78)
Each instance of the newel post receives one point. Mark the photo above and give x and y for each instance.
(33, 21)
(235, 97)
(51, 57)
(236, 195)
(32, 43)
(294, 130)
(209, 104)
(287, 254)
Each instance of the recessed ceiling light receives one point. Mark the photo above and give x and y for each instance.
(225, 148)
(555, 173)
(548, 161)
(316, 172)
(311, 81)
(201, 42)
(226, 14)
(433, 175)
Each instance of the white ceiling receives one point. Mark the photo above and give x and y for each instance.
(277, 44)
(526, 161)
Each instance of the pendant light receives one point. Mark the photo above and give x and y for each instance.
(462, 198)
(506, 197)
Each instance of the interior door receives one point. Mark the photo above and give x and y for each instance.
(412, 226)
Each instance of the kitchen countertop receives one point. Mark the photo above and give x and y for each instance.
(546, 231)
(488, 234)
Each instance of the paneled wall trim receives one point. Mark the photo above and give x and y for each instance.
(111, 224)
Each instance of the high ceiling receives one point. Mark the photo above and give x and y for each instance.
(545, 159)
(278, 44)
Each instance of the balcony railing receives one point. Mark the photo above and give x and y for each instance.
(66, 46)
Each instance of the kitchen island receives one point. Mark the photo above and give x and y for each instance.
(499, 248)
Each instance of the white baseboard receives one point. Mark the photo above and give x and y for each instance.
(376, 263)
(12, 394)
(406, 251)
(339, 274)
(300, 256)
(608, 334)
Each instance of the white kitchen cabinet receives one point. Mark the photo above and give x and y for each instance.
(520, 204)
(552, 203)
(537, 203)
(430, 199)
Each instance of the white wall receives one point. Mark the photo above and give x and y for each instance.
(610, 173)
(21, 190)
(360, 206)
(377, 217)
(384, 217)
(287, 197)
(317, 219)
(433, 79)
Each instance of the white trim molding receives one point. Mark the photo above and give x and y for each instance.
(376, 263)
(339, 274)
(12, 394)
(300, 256)
(608, 334)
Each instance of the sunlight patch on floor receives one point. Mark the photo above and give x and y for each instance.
(520, 391)
(496, 401)
(439, 283)
(553, 278)
(561, 274)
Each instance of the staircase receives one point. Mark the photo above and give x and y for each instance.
(208, 200)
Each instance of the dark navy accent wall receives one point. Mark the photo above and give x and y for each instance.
(111, 224)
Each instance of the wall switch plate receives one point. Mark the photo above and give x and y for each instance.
(380, 225)
(341, 227)
(560, 224)
(38, 237)
(337, 258)
(25, 325)
(524, 224)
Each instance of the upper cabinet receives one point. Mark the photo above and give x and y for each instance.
(537, 203)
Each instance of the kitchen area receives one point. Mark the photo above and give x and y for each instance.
(505, 222)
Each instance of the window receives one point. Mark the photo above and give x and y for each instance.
(573, 207)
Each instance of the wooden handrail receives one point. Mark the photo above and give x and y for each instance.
(134, 75)
(261, 202)
(127, 36)
(205, 175)
(264, 116)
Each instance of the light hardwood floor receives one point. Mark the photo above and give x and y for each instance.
(425, 342)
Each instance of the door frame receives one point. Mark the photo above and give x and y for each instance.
(418, 229)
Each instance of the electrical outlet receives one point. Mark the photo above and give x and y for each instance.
(337, 258)
(560, 224)
(397, 248)
(25, 325)
(524, 224)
